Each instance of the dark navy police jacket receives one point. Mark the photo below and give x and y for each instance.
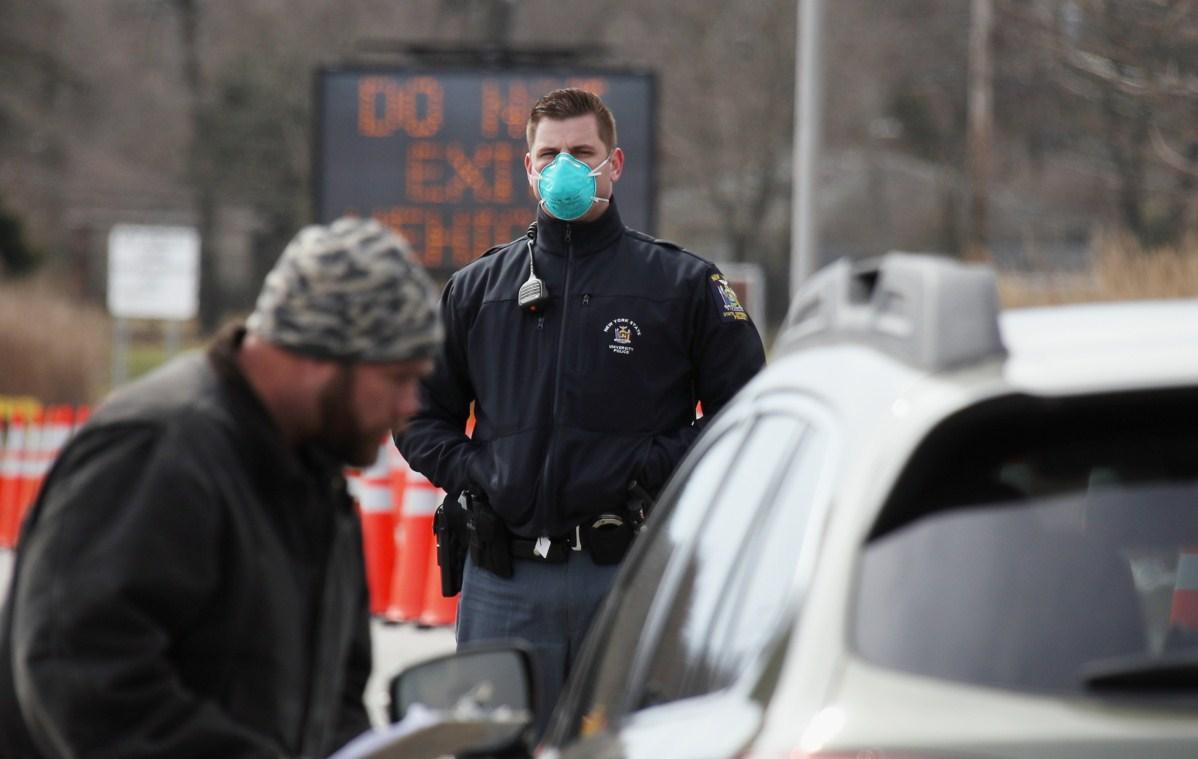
(597, 389)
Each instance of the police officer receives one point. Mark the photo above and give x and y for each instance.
(584, 348)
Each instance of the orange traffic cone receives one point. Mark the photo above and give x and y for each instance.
(55, 433)
(415, 539)
(11, 453)
(44, 443)
(399, 481)
(82, 414)
(31, 471)
(378, 526)
(1184, 612)
(439, 610)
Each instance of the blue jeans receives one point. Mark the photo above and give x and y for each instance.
(548, 606)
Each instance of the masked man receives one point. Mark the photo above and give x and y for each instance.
(584, 349)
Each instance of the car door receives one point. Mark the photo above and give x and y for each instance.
(675, 662)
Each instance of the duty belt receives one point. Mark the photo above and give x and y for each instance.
(593, 538)
(552, 550)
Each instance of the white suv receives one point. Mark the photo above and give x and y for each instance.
(926, 529)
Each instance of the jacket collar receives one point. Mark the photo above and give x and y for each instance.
(585, 237)
(260, 436)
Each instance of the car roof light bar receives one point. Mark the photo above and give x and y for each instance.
(930, 312)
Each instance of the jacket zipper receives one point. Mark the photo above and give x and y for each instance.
(557, 377)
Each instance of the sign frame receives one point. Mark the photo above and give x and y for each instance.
(320, 140)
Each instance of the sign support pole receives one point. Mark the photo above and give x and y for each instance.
(120, 351)
(171, 338)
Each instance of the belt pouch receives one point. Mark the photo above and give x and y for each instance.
(608, 539)
(489, 540)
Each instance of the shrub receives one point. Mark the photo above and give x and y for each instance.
(52, 347)
(1120, 270)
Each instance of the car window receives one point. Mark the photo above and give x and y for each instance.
(760, 598)
(685, 660)
(1045, 550)
(604, 670)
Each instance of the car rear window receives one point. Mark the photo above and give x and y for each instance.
(1042, 545)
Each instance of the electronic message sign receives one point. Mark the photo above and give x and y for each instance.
(439, 154)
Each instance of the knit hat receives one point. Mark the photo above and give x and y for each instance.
(349, 291)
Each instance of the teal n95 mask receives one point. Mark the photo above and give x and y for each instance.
(567, 186)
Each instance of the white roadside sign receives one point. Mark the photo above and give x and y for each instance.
(153, 272)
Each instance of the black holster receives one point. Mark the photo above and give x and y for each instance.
(449, 527)
(490, 541)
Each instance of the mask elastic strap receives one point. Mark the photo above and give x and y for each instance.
(595, 171)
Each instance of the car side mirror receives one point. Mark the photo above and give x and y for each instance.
(490, 683)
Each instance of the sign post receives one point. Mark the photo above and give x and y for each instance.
(153, 273)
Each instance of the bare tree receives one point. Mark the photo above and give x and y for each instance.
(1126, 77)
(32, 144)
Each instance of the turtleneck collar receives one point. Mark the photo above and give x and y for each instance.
(585, 237)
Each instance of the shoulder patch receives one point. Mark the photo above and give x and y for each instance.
(727, 305)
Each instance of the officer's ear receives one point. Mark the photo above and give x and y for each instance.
(617, 164)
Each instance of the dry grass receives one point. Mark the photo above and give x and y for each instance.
(1122, 270)
(52, 347)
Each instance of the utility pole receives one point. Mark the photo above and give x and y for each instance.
(980, 128)
(804, 229)
(198, 169)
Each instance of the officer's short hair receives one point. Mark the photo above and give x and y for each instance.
(568, 103)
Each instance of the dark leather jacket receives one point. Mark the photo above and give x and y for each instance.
(593, 391)
(186, 585)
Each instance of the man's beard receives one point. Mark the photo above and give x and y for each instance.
(340, 435)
